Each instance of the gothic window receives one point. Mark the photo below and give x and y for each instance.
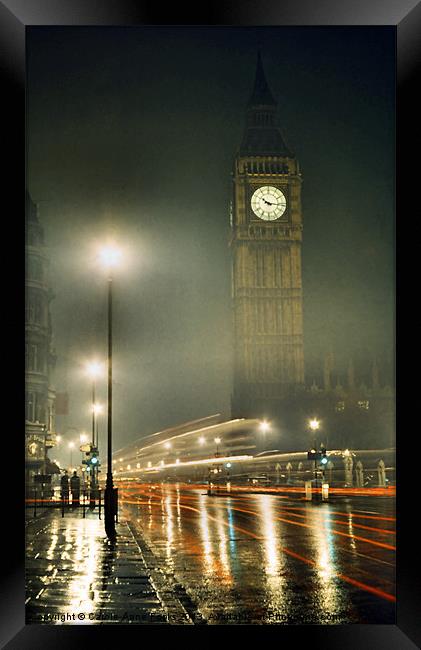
(35, 269)
(30, 406)
(50, 418)
(34, 407)
(31, 357)
(259, 362)
(33, 238)
(260, 318)
(34, 307)
(278, 264)
(35, 358)
(279, 317)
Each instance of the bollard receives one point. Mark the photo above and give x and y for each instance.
(35, 502)
(99, 503)
(83, 506)
(309, 492)
(325, 491)
(62, 506)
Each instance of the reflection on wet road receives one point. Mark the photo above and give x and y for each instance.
(259, 558)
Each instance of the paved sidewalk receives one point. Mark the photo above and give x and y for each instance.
(74, 575)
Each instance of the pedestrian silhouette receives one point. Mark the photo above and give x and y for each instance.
(75, 489)
(64, 483)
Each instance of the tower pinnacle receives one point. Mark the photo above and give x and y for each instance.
(262, 136)
(261, 95)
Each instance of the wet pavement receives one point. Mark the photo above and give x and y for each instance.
(74, 575)
(263, 558)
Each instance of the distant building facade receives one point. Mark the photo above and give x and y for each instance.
(357, 403)
(39, 353)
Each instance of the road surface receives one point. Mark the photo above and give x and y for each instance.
(264, 558)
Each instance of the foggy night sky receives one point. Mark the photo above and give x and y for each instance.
(131, 134)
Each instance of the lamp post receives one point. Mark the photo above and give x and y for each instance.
(110, 258)
(314, 425)
(82, 440)
(71, 445)
(94, 370)
(217, 442)
(98, 409)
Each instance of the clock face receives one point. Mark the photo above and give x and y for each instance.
(268, 203)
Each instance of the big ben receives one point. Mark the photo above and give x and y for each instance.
(266, 236)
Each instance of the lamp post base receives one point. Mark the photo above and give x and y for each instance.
(109, 507)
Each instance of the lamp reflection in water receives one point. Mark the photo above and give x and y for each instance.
(204, 529)
(272, 564)
(179, 521)
(169, 533)
(225, 568)
(325, 558)
(81, 596)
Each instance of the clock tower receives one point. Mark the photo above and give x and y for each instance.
(266, 235)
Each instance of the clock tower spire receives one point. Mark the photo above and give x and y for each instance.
(266, 229)
(262, 135)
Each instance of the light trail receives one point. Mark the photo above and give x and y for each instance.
(320, 516)
(340, 547)
(345, 514)
(342, 523)
(361, 585)
(335, 532)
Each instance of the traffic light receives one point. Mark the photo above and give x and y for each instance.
(321, 455)
(92, 460)
(313, 455)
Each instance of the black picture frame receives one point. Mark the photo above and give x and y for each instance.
(15, 16)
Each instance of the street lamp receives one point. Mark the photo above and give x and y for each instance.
(264, 426)
(110, 258)
(314, 425)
